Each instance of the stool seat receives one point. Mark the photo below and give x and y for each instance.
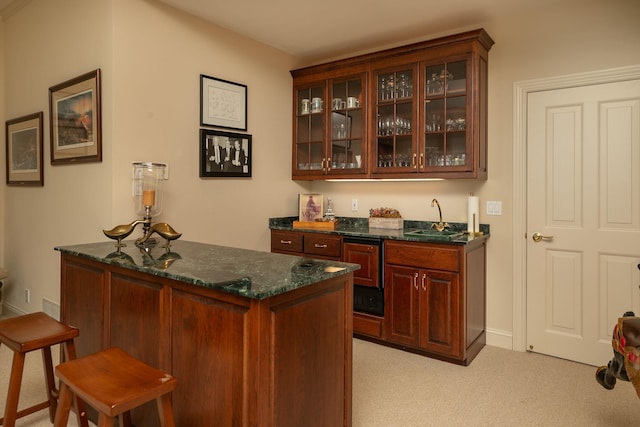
(34, 331)
(113, 382)
(26, 333)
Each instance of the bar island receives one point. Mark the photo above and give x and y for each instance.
(254, 338)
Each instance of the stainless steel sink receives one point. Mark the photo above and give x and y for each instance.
(429, 232)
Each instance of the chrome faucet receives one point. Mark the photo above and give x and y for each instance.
(440, 226)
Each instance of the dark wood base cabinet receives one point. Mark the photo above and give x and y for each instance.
(435, 299)
(239, 361)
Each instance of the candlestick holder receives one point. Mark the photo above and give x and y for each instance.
(147, 196)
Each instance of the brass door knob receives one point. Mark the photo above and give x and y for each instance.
(538, 237)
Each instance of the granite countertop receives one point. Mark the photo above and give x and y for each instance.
(359, 227)
(252, 274)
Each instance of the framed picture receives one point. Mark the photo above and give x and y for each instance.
(222, 103)
(310, 207)
(75, 113)
(24, 150)
(224, 154)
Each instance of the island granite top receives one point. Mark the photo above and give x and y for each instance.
(249, 273)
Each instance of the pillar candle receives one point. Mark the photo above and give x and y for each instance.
(473, 208)
(148, 197)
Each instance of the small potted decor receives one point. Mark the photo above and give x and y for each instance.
(387, 218)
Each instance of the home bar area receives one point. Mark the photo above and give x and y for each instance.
(254, 338)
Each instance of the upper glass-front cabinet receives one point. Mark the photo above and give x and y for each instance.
(395, 120)
(416, 111)
(330, 128)
(446, 142)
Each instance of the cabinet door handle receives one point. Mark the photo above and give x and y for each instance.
(414, 161)
(318, 245)
(324, 168)
(421, 160)
(424, 286)
(285, 242)
(415, 281)
(328, 164)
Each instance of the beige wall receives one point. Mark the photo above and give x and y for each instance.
(151, 57)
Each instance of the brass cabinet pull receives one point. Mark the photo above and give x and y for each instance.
(324, 168)
(318, 245)
(421, 160)
(328, 164)
(415, 281)
(537, 237)
(285, 242)
(424, 286)
(414, 161)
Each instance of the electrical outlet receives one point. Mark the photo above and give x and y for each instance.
(27, 296)
(354, 205)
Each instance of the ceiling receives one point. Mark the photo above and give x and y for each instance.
(312, 30)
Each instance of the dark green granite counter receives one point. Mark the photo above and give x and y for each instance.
(252, 274)
(359, 227)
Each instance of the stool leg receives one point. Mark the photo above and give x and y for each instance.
(125, 419)
(165, 411)
(64, 406)
(69, 349)
(49, 382)
(11, 410)
(105, 420)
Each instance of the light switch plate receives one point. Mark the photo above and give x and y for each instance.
(494, 208)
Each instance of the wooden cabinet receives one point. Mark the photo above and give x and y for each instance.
(280, 361)
(368, 256)
(330, 124)
(435, 298)
(416, 111)
(367, 286)
(314, 245)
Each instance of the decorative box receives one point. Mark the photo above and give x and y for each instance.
(387, 223)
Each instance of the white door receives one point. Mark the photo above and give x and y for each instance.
(583, 198)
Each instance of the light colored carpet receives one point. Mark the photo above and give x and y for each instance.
(394, 388)
(499, 388)
(33, 389)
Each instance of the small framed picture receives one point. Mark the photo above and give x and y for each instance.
(224, 154)
(75, 125)
(24, 150)
(223, 103)
(310, 207)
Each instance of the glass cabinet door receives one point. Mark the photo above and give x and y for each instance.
(445, 116)
(346, 147)
(395, 115)
(309, 142)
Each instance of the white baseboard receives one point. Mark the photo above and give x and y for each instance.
(502, 339)
(10, 310)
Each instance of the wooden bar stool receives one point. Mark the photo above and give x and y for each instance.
(113, 382)
(26, 333)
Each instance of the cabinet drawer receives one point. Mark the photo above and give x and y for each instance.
(322, 244)
(423, 255)
(286, 241)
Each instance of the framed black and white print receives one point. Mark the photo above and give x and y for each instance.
(223, 103)
(24, 150)
(224, 154)
(75, 120)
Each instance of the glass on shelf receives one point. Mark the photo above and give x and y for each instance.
(404, 85)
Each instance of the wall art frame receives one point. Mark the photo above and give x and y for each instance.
(24, 150)
(224, 154)
(76, 120)
(223, 103)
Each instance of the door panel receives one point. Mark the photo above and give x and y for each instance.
(583, 188)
